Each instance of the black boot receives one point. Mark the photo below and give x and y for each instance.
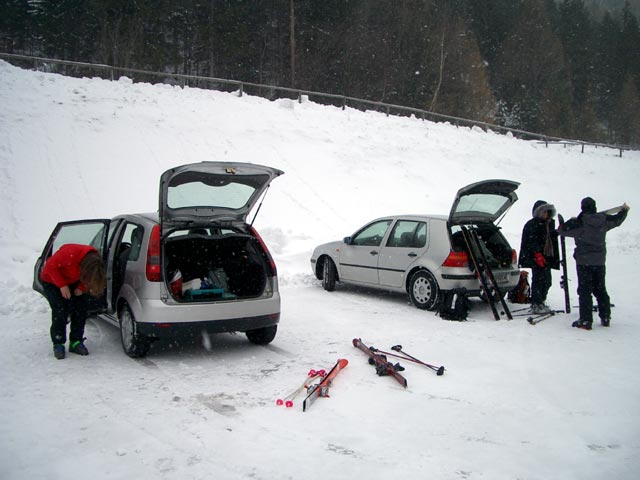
(78, 347)
(58, 351)
(583, 324)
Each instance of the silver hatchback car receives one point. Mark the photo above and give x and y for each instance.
(424, 255)
(195, 266)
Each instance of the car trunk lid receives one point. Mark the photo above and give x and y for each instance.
(209, 193)
(484, 201)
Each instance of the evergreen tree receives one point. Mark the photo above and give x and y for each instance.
(464, 91)
(531, 77)
(627, 120)
(67, 29)
(15, 26)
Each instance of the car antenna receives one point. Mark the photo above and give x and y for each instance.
(259, 205)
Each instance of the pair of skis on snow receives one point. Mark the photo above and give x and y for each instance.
(316, 384)
(378, 358)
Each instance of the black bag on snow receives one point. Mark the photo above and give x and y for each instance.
(454, 305)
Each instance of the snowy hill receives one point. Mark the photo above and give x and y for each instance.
(516, 401)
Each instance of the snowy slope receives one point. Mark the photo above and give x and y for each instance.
(544, 402)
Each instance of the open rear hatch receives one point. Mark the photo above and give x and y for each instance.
(484, 201)
(209, 252)
(480, 206)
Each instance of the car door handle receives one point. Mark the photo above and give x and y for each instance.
(412, 254)
(373, 252)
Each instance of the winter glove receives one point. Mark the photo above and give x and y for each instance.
(540, 261)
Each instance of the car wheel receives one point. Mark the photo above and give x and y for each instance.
(329, 275)
(133, 344)
(262, 336)
(423, 290)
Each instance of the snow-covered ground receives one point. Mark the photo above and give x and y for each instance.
(516, 402)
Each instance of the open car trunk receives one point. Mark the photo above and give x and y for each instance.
(212, 266)
(494, 244)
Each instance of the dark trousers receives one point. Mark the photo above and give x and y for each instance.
(74, 309)
(591, 281)
(540, 284)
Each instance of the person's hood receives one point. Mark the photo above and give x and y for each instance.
(541, 206)
(588, 205)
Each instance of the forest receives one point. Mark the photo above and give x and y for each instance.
(559, 68)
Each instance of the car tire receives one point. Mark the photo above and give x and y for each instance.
(329, 275)
(133, 344)
(423, 290)
(262, 336)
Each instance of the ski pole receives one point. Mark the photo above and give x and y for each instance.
(439, 370)
(401, 357)
(287, 400)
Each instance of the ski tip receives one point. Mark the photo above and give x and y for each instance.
(343, 362)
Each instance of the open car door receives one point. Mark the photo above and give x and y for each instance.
(484, 201)
(85, 232)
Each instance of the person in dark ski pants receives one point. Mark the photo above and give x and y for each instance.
(69, 276)
(539, 252)
(589, 231)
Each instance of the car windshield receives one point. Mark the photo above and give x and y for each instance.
(187, 191)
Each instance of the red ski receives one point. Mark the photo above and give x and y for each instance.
(322, 389)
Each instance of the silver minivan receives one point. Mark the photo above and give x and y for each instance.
(194, 266)
(425, 255)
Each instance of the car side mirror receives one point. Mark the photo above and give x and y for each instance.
(347, 240)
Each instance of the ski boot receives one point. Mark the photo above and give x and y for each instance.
(583, 324)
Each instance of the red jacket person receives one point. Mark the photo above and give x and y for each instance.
(70, 275)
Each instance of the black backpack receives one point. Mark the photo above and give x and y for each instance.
(454, 305)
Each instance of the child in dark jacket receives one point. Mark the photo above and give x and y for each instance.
(589, 230)
(539, 252)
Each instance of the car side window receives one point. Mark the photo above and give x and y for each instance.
(408, 234)
(371, 235)
(88, 233)
(132, 237)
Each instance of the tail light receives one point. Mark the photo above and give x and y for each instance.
(456, 259)
(154, 274)
(514, 256)
(272, 265)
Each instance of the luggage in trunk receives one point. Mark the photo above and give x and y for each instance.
(225, 267)
(495, 246)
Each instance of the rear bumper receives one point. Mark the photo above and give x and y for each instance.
(159, 330)
(162, 318)
(462, 278)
